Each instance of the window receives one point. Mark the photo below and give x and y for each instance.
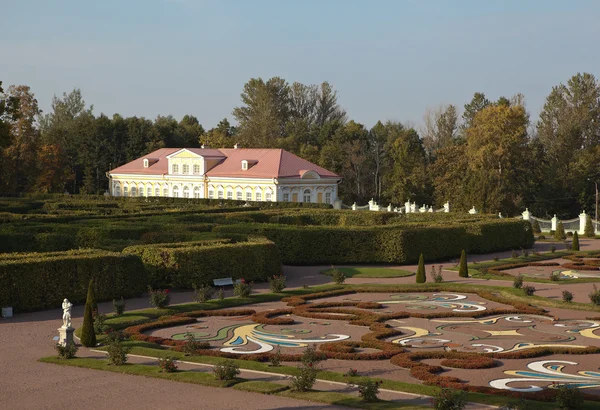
(186, 169)
(145, 163)
(166, 191)
(238, 195)
(258, 196)
(133, 191)
(306, 195)
(176, 191)
(244, 165)
(186, 192)
(157, 191)
(229, 194)
(149, 191)
(248, 195)
(196, 168)
(286, 197)
(268, 196)
(175, 168)
(220, 194)
(118, 190)
(196, 191)
(211, 193)
(125, 191)
(327, 197)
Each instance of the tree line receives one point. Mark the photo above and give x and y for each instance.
(490, 155)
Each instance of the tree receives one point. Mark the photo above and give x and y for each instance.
(575, 244)
(463, 269)
(91, 295)
(560, 234)
(88, 336)
(421, 277)
(589, 228)
(8, 113)
(441, 127)
(477, 104)
(52, 172)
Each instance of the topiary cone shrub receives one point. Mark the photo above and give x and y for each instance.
(560, 234)
(575, 244)
(589, 231)
(421, 278)
(88, 336)
(463, 270)
(91, 296)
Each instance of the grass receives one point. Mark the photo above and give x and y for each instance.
(358, 272)
(258, 386)
(342, 399)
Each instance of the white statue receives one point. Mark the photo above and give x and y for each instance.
(66, 306)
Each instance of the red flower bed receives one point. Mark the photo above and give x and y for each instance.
(268, 317)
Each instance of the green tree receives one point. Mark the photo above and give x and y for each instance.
(88, 336)
(560, 234)
(421, 277)
(589, 228)
(91, 295)
(477, 104)
(463, 269)
(8, 113)
(441, 128)
(575, 244)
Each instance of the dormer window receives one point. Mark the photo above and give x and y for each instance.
(145, 163)
(248, 163)
(245, 165)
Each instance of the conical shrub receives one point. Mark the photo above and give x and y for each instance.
(91, 296)
(575, 244)
(589, 228)
(421, 278)
(463, 270)
(88, 336)
(560, 234)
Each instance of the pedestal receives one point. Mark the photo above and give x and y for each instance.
(65, 335)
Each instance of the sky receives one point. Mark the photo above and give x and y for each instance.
(388, 60)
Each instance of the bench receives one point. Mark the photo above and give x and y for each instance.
(225, 281)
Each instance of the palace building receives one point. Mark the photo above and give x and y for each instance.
(243, 174)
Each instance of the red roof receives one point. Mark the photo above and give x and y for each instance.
(268, 163)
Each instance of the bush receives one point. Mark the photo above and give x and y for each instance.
(167, 365)
(528, 290)
(463, 269)
(242, 289)
(536, 227)
(275, 358)
(437, 275)
(68, 351)
(559, 234)
(306, 377)
(496, 259)
(351, 373)
(193, 346)
(567, 296)
(553, 249)
(88, 336)
(595, 296)
(555, 277)
(117, 353)
(520, 404)
(525, 253)
(420, 277)
(448, 399)
(277, 283)
(515, 254)
(99, 319)
(159, 298)
(589, 228)
(568, 398)
(119, 306)
(518, 281)
(226, 370)
(369, 389)
(338, 276)
(203, 292)
(542, 237)
(575, 243)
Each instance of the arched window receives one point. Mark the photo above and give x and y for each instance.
(176, 191)
(117, 189)
(141, 190)
(186, 192)
(258, 195)
(248, 195)
(268, 195)
(125, 190)
(165, 191)
(157, 191)
(134, 191)
(220, 194)
(196, 191)
(211, 193)
(196, 168)
(239, 195)
(229, 194)
(186, 169)
(148, 190)
(175, 168)
(307, 195)
(328, 197)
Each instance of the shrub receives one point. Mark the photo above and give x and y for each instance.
(569, 234)
(536, 227)
(99, 319)
(167, 365)
(159, 298)
(192, 346)
(559, 234)
(203, 292)
(119, 306)
(595, 296)
(275, 358)
(226, 370)
(567, 296)
(463, 269)
(306, 377)
(351, 373)
(117, 353)
(242, 289)
(520, 404)
(420, 276)
(448, 399)
(68, 351)
(436, 275)
(528, 290)
(525, 253)
(310, 355)
(575, 243)
(568, 398)
(555, 276)
(496, 259)
(553, 249)
(88, 336)
(221, 294)
(589, 228)
(515, 254)
(277, 283)
(369, 389)
(338, 276)
(541, 237)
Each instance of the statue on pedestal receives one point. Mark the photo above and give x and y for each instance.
(66, 306)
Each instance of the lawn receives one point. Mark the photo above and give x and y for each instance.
(357, 272)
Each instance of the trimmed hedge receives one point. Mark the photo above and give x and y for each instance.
(36, 281)
(306, 245)
(185, 264)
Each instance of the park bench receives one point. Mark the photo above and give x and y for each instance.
(225, 281)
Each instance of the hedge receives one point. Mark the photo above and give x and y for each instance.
(182, 265)
(36, 281)
(307, 245)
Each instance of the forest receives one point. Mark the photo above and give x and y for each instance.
(488, 154)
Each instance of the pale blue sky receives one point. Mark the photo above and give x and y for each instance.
(387, 59)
